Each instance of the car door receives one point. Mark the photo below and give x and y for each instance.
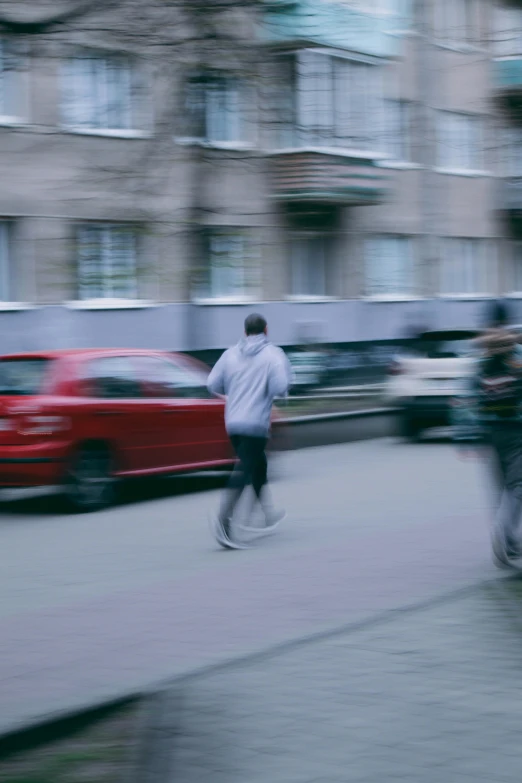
(117, 410)
(190, 431)
(206, 438)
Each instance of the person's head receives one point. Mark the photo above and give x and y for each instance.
(255, 324)
(497, 315)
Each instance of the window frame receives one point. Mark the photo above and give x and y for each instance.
(10, 48)
(214, 85)
(511, 162)
(476, 267)
(384, 289)
(446, 12)
(467, 158)
(402, 132)
(105, 287)
(329, 258)
(205, 292)
(334, 97)
(76, 79)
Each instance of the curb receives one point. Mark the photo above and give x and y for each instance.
(335, 416)
(56, 726)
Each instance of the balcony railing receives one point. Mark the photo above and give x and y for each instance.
(327, 177)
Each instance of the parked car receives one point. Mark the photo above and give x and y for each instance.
(82, 419)
(308, 370)
(423, 383)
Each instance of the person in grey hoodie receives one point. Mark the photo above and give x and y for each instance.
(250, 375)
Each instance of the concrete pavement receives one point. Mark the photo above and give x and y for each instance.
(421, 697)
(96, 605)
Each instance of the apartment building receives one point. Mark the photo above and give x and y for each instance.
(350, 167)
(507, 80)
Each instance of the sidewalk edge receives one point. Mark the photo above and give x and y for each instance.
(53, 726)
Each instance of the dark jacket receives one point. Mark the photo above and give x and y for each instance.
(471, 417)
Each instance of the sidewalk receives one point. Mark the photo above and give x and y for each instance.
(426, 696)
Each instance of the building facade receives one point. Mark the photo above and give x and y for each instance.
(351, 168)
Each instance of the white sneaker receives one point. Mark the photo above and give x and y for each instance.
(273, 516)
(222, 537)
(272, 520)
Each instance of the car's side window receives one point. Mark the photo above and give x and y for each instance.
(162, 378)
(113, 377)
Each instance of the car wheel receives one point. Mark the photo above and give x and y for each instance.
(89, 483)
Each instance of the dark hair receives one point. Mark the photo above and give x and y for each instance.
(255, 324)
(497, 314)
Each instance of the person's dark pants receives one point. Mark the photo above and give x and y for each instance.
(251, 469)
(505, 440)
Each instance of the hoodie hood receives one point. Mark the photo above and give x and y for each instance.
(252, 345)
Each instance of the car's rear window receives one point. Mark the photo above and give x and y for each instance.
(22, 376)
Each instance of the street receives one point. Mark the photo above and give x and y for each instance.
(98, 604)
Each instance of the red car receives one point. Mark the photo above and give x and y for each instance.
(81, 419)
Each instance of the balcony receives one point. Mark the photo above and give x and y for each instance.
(507, 75)
(327, 177)
(330, 23)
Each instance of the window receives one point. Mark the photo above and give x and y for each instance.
(463, 267)
(112, 378)
(311, 258)
(397, 129)
(337, 103)
(215, 109)
(107, 262)
(459, 141)
(162, 379)
(228, 272)
(11, 93)
(98, 92)
(5, 262)
(510, 152)
(456, 20)
(507, 32)
(23, 376)
(389, 266)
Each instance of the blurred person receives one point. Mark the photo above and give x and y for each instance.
(250, 375)
(489, 411)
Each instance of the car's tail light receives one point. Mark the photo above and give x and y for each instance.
(37, 424)
(395, 368)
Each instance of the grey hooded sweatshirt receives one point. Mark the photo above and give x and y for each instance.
(250, 375)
